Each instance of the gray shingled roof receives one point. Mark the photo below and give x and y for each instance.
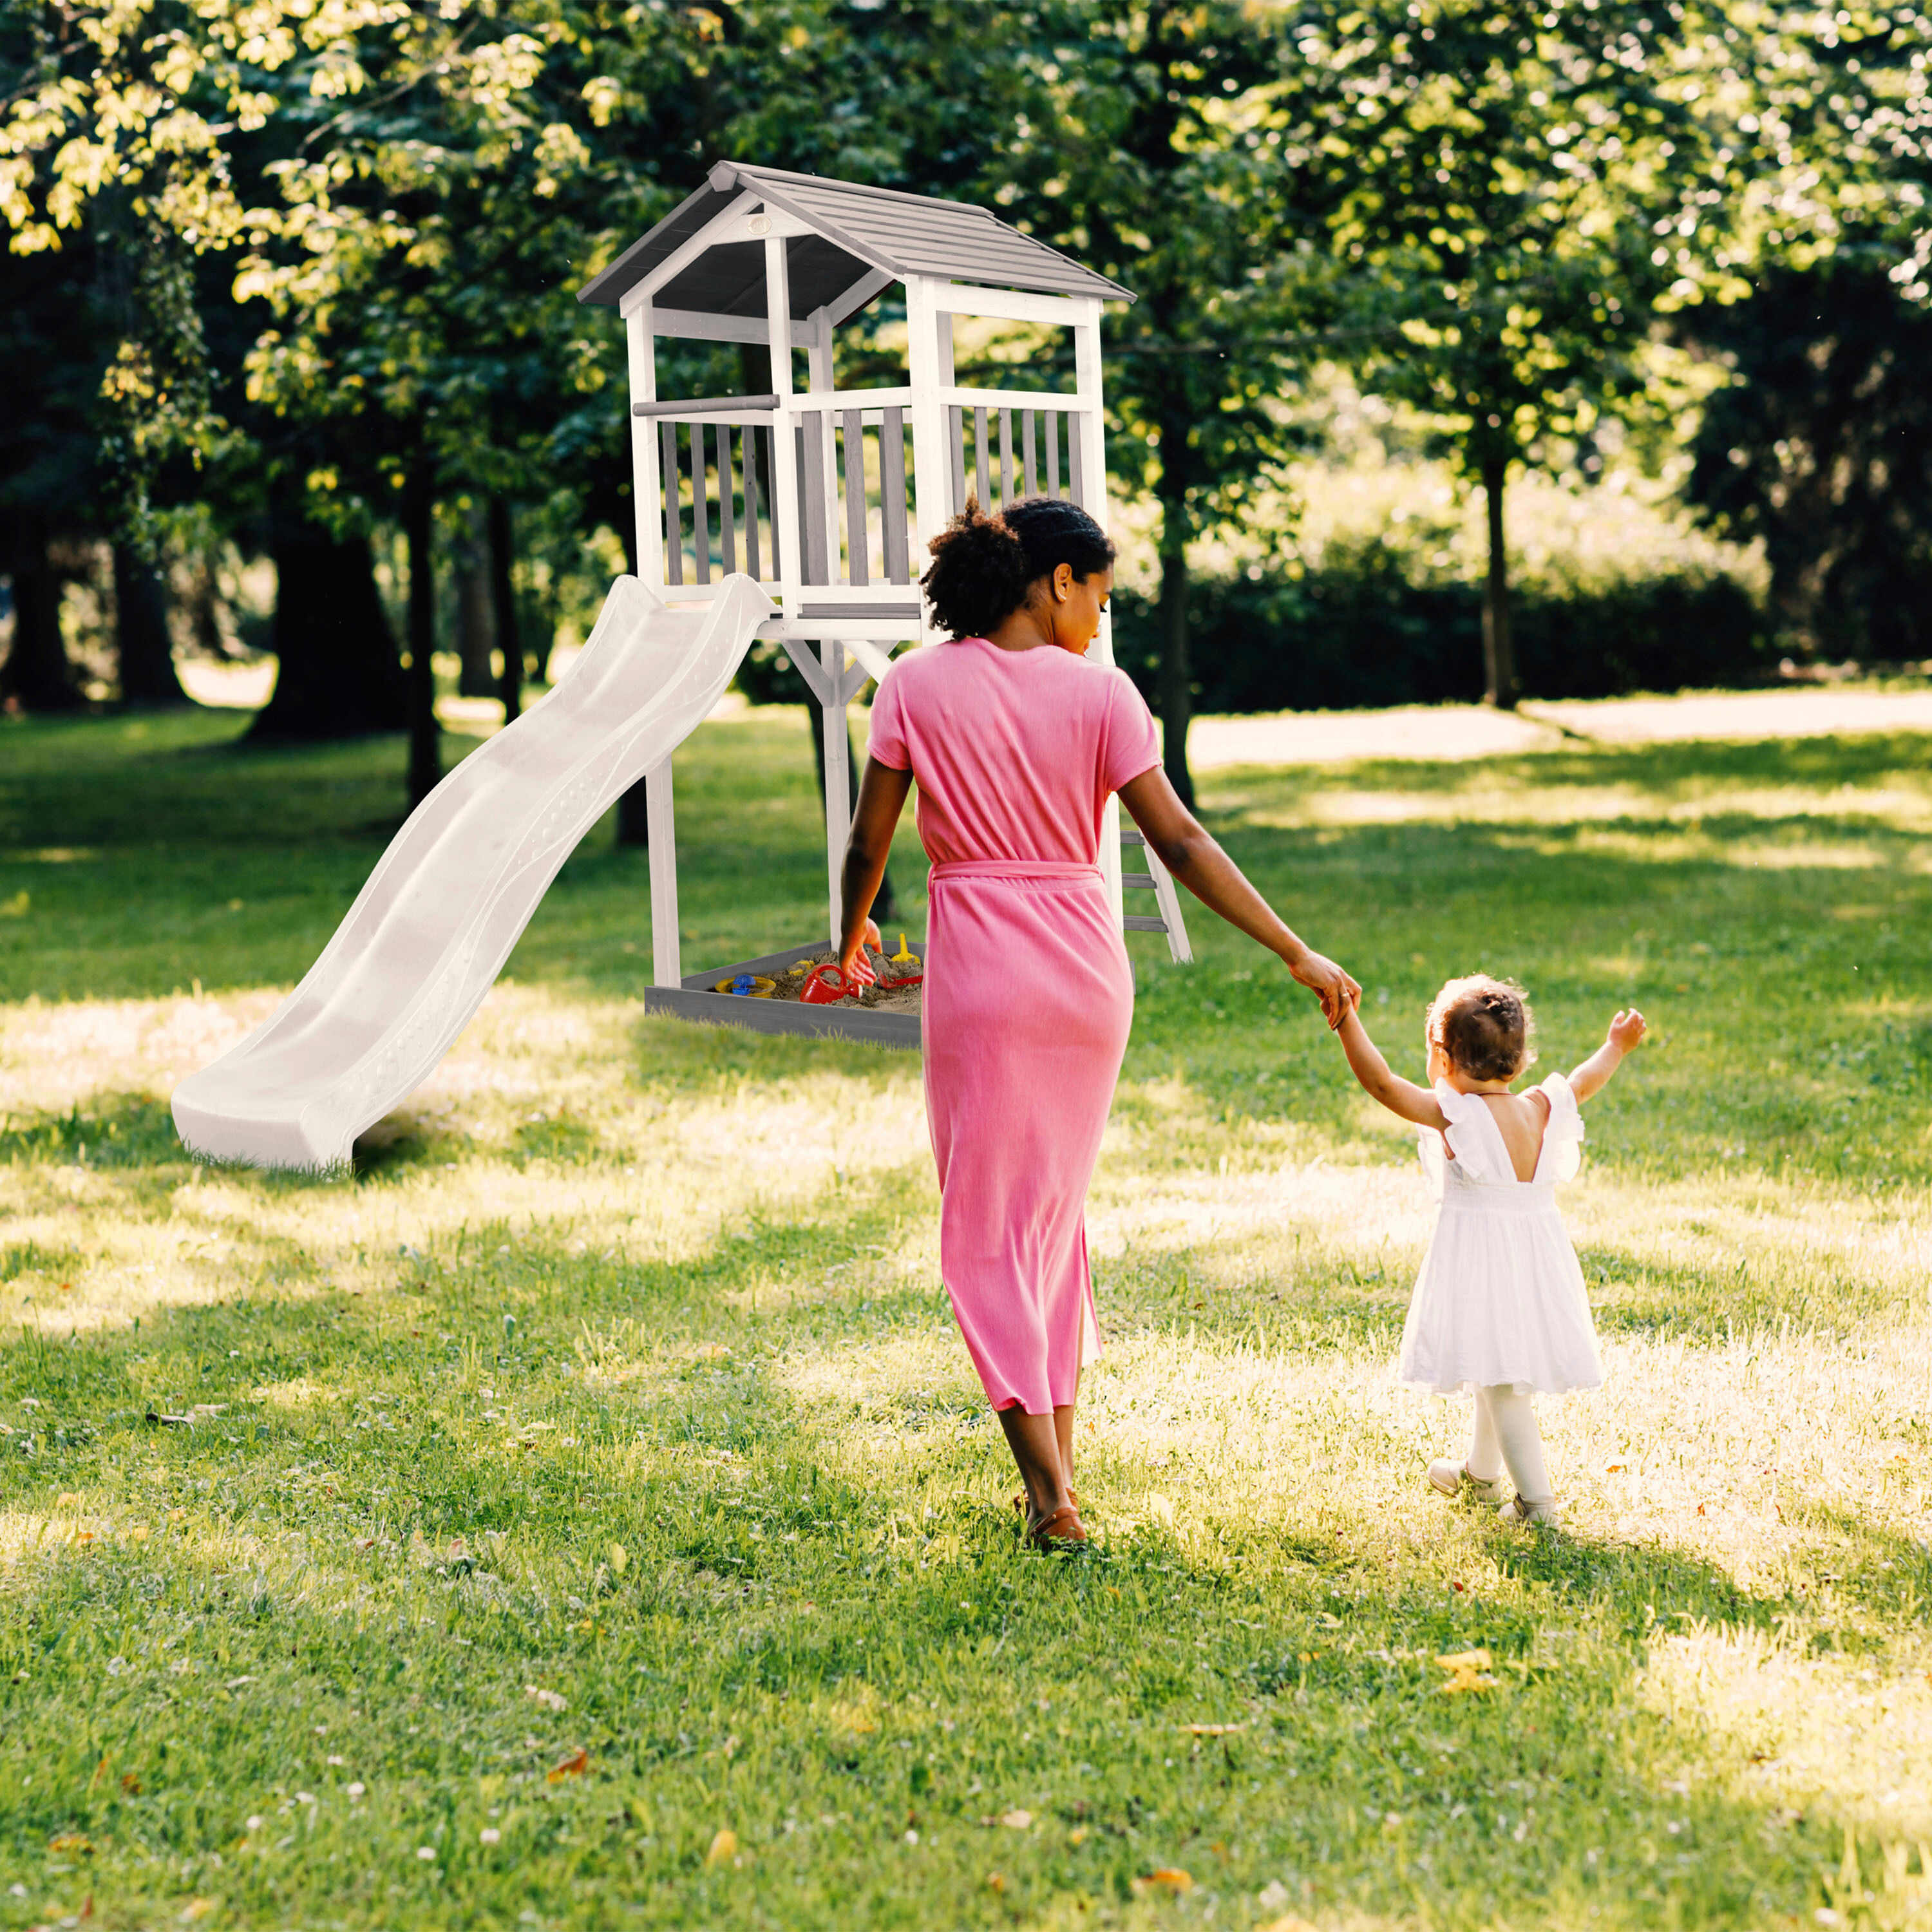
(858, 228)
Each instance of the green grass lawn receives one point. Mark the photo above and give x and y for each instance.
(586, 1516)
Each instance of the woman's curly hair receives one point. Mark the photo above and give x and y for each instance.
(984, 569)
(1484, 1027)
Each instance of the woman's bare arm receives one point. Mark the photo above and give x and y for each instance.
(1401, 1097)
(882, 797)
(1188, 850)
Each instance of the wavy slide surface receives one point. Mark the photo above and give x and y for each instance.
(429, 932)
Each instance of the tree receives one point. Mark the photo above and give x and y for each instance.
(1820, 447)
(1512, 196)
(1143, 154)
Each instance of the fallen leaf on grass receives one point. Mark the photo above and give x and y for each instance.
(996, 1882)
(1468, 1670)
(1016, 1821)
(573, 1766)
(724, 1847)
(619, 1558)
(70, 1841)
(130, 1784)
(1213, 1730)
(1169, 1878)
(551, 1700)
(196, 1908)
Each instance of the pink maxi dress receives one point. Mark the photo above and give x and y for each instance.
(1028, 993)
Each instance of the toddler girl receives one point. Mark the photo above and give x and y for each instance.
(1499, 1308)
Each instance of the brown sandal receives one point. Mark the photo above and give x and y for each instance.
(1063, 1529)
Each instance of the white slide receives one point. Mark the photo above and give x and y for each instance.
(429, 932)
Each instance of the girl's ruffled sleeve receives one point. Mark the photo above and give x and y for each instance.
(1472, 1136)
(1563, 1138)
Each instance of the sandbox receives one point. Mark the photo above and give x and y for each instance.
(885, 1016)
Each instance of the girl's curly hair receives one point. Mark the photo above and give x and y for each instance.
(984, 569)
(1484, 1026)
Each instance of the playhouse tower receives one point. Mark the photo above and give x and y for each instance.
(827, 496)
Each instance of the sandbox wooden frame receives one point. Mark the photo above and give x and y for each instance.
(826, 497)
(694, 1000)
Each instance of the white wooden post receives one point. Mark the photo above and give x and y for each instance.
(1088, 426)
(928, 368)
(646, 492)
(818, 361)
(838, 796)
(647, 481)
(785, 468)
(660, 824)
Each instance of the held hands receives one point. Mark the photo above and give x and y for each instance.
(1338, 992)
(854, 965)
(1626, 1030)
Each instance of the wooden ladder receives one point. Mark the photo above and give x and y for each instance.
(1158, 881)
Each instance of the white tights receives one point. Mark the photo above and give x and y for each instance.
(1506, 1436)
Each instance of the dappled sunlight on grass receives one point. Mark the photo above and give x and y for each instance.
(613, 1405)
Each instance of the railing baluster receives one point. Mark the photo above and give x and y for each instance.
(751, 464)
(893, 508)
(727, 520)
(700, 510)
(1006, 458)
(858, 558)
(812, 433)
(956, 443)
(673, 522)
(1026, 427)
(1076, 463)
(981, 455)
(1052, 453)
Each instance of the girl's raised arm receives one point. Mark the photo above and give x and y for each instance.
(1402, 1098)
(1626, 1029)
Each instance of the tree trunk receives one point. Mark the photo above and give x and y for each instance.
(36, 675)
(1499, 678)
(339, 674)
(425, 748)
(141, 628)
(503, 602)
(1177, 694)
(474, 627)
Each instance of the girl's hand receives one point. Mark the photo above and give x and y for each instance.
(855, 966)
(1338, 993)
(1626, 1030)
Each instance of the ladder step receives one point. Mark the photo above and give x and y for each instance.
(1132, 839)
(1138, 882)
(1135, 923)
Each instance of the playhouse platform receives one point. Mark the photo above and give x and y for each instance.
(693, 1000)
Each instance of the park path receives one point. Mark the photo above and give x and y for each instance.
(1458, 731)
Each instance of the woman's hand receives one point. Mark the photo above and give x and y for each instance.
(1337, 991)
(855, 966)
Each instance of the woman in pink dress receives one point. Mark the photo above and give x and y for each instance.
(1016, 741)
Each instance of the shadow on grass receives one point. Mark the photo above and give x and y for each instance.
(878, 1640)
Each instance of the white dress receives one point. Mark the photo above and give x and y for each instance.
(1501, 1298)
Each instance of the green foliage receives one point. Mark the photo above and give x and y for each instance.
(1820, 446)
(1364, 627)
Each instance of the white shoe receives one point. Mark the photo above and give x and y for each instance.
(1454, 1479)
(1519, 1510)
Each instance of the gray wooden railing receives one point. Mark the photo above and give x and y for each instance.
(1004, 468)
(716, 478)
